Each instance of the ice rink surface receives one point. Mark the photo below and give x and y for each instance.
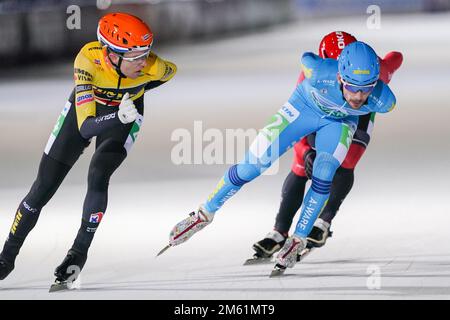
(391, 238)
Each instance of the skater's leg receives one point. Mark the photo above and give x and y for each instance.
(50, 175)
(332, 142)
(286, 127)
(342, 182)
(111, 150)
(106, 159)
(292, 194)
(341, 186)
(324, 168)
(63, 149)
(283, 131)
(344, 178)
(293, 189)
(291, 200)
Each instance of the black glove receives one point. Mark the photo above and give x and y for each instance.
(309, 157)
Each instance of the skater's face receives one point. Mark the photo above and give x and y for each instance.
(354, 99)
(132, 63)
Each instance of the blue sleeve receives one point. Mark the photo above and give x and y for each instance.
(388, 100)
(309, 64)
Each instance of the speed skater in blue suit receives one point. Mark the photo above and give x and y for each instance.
(328, 102)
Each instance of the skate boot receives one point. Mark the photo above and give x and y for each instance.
(287, 257)
(265, 248)
(5, 268)
(67, 272)
(186, 228)
(319, 234)
(272, 243)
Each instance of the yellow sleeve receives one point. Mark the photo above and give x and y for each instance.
(84, 72)
(161, 70)
(169, 70)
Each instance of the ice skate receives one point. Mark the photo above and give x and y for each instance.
(287, 257)
(68, 271)
(319, 234)
(186, 228)
(265, 248)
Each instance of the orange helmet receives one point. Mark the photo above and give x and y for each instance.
(122, 32)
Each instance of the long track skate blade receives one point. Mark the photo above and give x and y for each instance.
(254, 261)
(59, 286)
(277, 271)
(163, 250)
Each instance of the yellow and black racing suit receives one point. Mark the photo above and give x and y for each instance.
(90, 111)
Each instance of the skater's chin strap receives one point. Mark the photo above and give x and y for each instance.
(119, 72)
(118, 65)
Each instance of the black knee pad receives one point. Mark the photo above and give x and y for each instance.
(344, 176)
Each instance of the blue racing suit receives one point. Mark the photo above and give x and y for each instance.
(316, 105)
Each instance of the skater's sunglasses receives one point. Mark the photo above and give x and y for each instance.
(355, 88)
(140, 57)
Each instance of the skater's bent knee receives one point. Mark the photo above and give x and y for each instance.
(245, 172)
(325, 166)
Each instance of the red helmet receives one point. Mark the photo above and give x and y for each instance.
(122, 32)
(333, 43)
